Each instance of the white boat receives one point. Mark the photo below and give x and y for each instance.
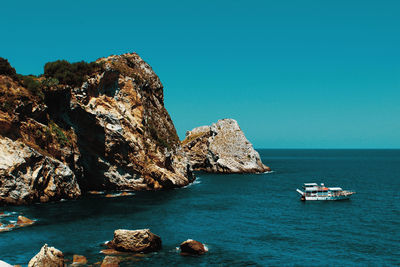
(313, 191)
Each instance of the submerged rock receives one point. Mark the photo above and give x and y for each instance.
(135, 241)
(111, 251)
(27, 176)
(110, 261)
(192, 247)
(79, 259)
(47, 256)
(23, 221)
(222, 148)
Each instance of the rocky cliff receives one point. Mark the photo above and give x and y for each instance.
(109, 132)
(28, 176)
(222, 148)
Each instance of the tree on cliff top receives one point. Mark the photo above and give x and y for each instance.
(6, 69)
(69, 73)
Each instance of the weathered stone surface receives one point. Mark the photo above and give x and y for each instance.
(27, 176)
(47, 257)
(110, 261)
(192, 247)
(110, 133)
(222, 148)
(126, 136)
(135, 241)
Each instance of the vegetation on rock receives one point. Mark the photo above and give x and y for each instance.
(33, 85)
(69, 73)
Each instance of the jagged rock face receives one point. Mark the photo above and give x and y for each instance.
(222, 148)
(125, 135)
(47, 256)
(111, 133)
(27, 176)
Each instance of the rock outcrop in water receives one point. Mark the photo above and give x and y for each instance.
(110, 261)
(47, 256)
(110, 132)
(192, 247)
(135, 241)
(222, 148)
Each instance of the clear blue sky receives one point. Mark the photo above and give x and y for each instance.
(295, 74)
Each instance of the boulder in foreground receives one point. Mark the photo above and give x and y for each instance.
(222, 148)
(135, 241)
(47, 256)
(192, 247)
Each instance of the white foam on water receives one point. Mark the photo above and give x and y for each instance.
(267, 172)
(197, 181)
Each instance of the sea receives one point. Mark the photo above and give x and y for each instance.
(244, 220)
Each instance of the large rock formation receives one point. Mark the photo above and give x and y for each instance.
(110, 132)
(47, 256)
(135, 241)
(126, 136)
(27, 176)
(222, 148)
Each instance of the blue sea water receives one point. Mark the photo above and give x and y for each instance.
(245, 220)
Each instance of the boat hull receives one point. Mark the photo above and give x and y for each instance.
(325, 198)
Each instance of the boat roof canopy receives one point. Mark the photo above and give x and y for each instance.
(310, 184)
(335, 188)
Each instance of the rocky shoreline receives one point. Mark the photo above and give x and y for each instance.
(127, 245)
(108, 134)
(104, 129)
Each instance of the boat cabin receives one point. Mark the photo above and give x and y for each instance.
(315, 190)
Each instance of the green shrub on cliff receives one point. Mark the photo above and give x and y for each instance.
(49, 82)
(33, 85)
(69, 73)
(59, 133)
